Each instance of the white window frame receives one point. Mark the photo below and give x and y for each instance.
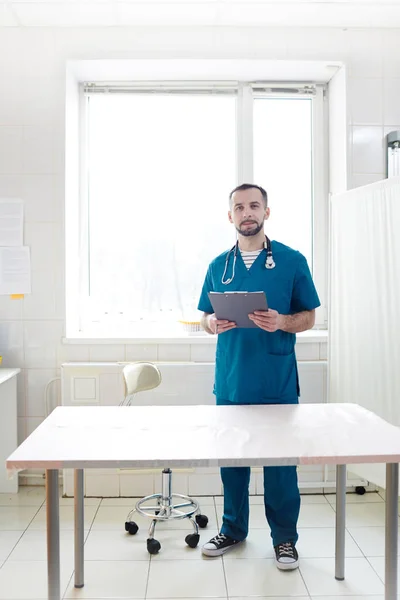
(245, 95)
(320, 169)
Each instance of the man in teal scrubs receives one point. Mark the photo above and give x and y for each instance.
(258, 365)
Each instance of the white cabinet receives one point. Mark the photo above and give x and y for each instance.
(8, 426)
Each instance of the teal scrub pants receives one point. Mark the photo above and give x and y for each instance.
(281, 500)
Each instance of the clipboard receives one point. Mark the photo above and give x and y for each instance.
(236, 306)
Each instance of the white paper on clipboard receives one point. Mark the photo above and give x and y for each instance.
(236, 306)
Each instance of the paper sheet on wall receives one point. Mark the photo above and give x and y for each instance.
(11, 222)
(15, 270)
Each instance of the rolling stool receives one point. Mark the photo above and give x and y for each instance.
(139, 377)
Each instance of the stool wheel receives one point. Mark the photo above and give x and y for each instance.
(131, 527)
(153, 546)
(192, 539)
(201, 521)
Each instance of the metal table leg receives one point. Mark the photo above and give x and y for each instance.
(340, 521)
(53, 534)
(391, 530)
(79, 528)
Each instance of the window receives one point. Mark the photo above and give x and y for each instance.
(158, 162)
(283, 160)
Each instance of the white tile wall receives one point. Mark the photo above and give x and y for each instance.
(41, 341)
(32, 71)
(207, 484)
(137, 485)
(41, 303)
(41, 110)
(11, 149)
(68, 474)
(360, 179)
(390, 54)
(111, 384)
(107, 353)
(178, 352)
(180, 481)
(36, 381)
(95, 484)
(21, 424)
(307, 351)
(323, 351)
(72, 353)
(365, 56)
(10, 183)
(141, 352)
(21, 393)
(391, 104)
(12, 343)
(11, 113)
(34, 137)
(39, 194)
(202, 353)
(12, 309)
(46, 246)
(32, 423)
(366, 101)
(368, 149)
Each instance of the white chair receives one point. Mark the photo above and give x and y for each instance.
(139, 377)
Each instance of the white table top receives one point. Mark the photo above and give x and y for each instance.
(177, 436)
(6, 374)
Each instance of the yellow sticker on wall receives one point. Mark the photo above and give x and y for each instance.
(17, 296)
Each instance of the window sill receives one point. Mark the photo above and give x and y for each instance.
(307, 337)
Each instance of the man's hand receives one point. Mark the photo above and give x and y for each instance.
(269, 320)
(218, 325)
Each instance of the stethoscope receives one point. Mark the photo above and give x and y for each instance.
(269, 263)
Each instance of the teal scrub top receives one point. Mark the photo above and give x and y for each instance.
(253, 366)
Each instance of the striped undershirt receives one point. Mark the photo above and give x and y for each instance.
(249, 257)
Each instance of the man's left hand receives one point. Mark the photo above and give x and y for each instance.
(269, 320)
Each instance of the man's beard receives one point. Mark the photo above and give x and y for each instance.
(250, 232)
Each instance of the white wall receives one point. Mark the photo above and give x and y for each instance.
(32, 90)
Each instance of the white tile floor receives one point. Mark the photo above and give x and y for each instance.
(117, 565)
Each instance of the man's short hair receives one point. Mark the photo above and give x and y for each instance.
(249, 186)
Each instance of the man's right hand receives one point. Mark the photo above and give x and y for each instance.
(219, 325)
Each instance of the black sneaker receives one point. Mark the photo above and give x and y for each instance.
(219, 545)
(286, 557)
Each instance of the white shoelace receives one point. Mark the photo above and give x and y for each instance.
(218, 539)
(286, 549)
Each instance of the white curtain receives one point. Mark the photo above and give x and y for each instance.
(364, 325)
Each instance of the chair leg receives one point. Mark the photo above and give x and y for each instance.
(153, 546)
(194, 524)
(128, 518)
(193, 538)
(151, 529)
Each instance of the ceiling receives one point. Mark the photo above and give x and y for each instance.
(269, 13)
